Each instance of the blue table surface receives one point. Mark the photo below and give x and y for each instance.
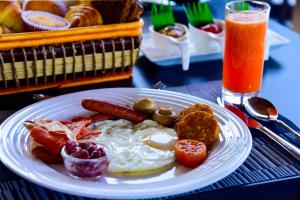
(281, 73)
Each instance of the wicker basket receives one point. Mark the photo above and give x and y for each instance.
(40, 60)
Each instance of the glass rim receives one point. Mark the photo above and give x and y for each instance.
(267, 6)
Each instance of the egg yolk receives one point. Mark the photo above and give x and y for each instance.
(161, 140)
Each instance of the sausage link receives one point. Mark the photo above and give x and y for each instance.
(119, 111)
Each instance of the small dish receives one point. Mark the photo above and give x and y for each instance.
(204, 41)
(171, 45)
(91, 168)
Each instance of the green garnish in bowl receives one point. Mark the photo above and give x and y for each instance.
(199, 14)
(162, 16)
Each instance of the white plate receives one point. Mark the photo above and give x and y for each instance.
(163, 58)
(226, 156)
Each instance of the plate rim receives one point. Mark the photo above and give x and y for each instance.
(214, 179)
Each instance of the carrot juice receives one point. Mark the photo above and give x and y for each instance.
(244, 51)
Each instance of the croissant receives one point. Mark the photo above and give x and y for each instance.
(10, 15)
(83, 15)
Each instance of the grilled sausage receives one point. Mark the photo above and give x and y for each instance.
(119, 111)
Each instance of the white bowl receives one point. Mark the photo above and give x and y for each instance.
(173, 46)
(205, 41)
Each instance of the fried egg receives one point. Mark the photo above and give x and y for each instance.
(139, 148)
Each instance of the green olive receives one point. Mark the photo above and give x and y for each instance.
(165, 116)
(146, 105)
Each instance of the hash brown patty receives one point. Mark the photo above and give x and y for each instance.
(198, 125)
(193, 108)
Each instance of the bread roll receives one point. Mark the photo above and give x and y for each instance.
(10, 15)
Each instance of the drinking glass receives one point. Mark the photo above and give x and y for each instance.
(246, 31)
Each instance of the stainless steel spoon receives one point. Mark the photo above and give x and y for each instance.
(252, 123)
(263, 109)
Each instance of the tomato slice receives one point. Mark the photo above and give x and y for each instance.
(190, 153)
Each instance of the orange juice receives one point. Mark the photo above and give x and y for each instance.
(244, 51)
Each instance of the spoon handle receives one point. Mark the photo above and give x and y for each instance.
(292, 149)
(292, 131)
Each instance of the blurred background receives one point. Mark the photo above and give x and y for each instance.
(286, 12)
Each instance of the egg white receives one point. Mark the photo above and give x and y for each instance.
(130, 154)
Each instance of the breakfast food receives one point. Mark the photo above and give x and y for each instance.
(45, 155)
(190, 153)
(198, 122)
(172, 31)
(74, 2)
(200, 126)
(5, 30)
(83, 15)
(136, 148)
(48, 137)
(201, 17)
(46, 15)
(212, 28)
(84, 150)
(88, 40)
(118, 11)
(52, 142)
(56, 7)
(146, 105)
(85, 159)
(124, 140)
(165, 116)
(94, 117)
(119, 111)
(193, 108)
(43, 21)
(10, 15)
